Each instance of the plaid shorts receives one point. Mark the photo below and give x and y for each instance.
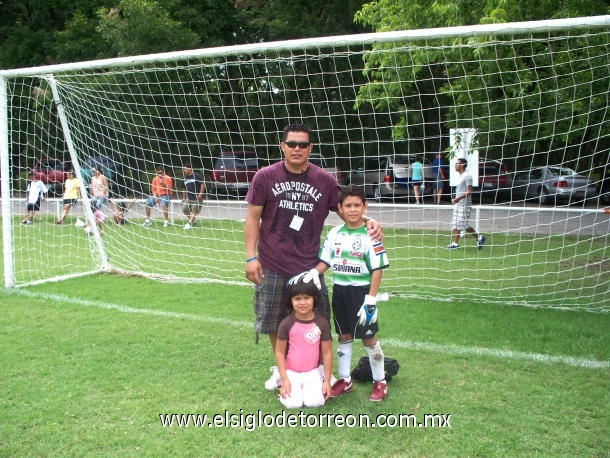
(461, 214)
(270, 302)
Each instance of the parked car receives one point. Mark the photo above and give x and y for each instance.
(388, 176)
(52, 172)
(494, 181)
(118, 183)
(552, 183)
(232, 173)
(327, 164)
(603, 187)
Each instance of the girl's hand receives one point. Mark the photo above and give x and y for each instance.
(285, 389)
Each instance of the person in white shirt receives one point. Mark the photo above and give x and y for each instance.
(37, 192)
(463, 206)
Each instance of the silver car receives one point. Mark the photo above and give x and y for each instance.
(552, 183)
(389, 176)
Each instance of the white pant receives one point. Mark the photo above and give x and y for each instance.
(306, 389)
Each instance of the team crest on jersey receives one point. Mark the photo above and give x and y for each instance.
(357, 245)
(378, 248)
(312, 335)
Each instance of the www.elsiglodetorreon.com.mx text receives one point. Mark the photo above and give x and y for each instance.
(300, 419)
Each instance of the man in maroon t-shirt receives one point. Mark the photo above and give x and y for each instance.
(288, 203)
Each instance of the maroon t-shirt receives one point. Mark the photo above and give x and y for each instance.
(284, 195)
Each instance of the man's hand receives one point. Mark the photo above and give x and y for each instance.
(374, 229)
(306, 277)
(368, 312)
(254, 271)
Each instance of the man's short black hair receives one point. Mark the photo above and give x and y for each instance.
(296, 127)
(160, 168)
(351, 190)
(461, 160)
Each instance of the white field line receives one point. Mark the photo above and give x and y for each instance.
(387, 342)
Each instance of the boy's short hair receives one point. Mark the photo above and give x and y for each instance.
(351, 190)
(296, 127)
(160, 168)
(300, 287)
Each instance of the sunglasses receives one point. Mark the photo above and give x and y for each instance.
(301, 145)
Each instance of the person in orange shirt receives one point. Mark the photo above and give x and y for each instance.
(161, 193)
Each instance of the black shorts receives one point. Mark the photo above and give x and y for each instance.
(70, 201)
(347, 301)
(35, 206)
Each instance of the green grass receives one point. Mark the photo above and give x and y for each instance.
(556, 271)
(88, 365)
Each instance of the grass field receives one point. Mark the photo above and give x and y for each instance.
(89, 364)
(560, 270)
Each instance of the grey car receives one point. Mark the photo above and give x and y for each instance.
(552, 183)
(389, 176)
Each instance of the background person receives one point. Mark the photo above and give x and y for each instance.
(99, 188)
(71, 195)
(192, 194)
(161, 193)
(288, 203)
(302, 337)
(355, 290)
(119, 215)
(463, 206)
(37, 192)
(417, 177)
(439, 178)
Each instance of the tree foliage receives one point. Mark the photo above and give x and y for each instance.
(511, 97)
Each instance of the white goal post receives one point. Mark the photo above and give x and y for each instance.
(535, 93)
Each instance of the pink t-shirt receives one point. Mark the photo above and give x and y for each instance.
(304, 340)
(295, 208)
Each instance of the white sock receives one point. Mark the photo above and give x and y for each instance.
(376, 358)
(344, 360)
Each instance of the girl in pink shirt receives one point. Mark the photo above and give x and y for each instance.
(302, 338)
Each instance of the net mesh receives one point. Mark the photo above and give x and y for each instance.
(532, 100)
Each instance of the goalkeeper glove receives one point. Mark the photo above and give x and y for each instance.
(306, 277)
(368, 312)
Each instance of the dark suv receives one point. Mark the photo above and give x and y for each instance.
(232, 173)
(52, 172)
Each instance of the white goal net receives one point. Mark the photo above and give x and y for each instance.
(532, 99)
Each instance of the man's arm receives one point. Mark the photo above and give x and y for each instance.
(254, 271)
(463, 196)
(372, 225)
(201, 191)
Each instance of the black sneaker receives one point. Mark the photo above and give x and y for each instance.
(453, 246)
(481, 242)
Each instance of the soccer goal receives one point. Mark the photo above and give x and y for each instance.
(530, 96)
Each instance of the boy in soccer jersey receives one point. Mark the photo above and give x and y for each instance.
(356, 262)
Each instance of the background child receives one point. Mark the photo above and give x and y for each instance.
(302, 337)
(37, 192)
(357, 262)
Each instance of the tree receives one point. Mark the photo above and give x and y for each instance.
(528, 102)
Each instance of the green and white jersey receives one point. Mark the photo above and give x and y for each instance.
(352, 256)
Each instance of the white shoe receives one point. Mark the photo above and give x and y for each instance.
(187, 226)
(147, 223)
(166, 224)
(274, 381)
